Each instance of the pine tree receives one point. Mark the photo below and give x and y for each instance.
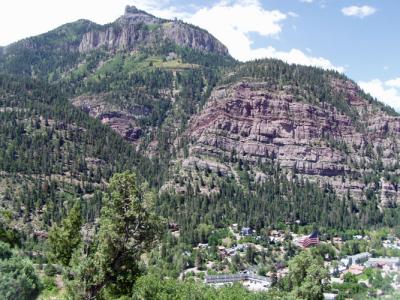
(64, 239)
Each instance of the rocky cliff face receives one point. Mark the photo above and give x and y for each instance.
(122, 121)
(261, 123)
(137, 28)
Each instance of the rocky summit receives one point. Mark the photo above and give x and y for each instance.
(137, 28)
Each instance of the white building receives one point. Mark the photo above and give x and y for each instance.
(381, 262)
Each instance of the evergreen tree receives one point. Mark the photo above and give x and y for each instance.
(128, 228)
(64, 239)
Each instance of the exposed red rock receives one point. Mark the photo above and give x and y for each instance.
(318, 142)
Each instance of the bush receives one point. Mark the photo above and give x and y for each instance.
(49, 283)
(5, 250)
(50, 270)
(18, 279)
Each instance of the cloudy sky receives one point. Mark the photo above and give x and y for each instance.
(357, 37)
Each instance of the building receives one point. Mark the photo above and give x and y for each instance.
(246, 231)
(381, 262)
(241, 277)
(330, 296)
(173, 227)
(355, 270)
(356, 259)
(337, 240)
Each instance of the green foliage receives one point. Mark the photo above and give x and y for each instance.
(50, 270)
(309, 84)
(18, 279)
(5, 251)
(42, 134)
(353, 247)
(49, 283)
(53, 153)
(277, 200)
(9, 235)
(325, 251)
(307, 278)
(153, 287)
(128, 228)
(63, 240)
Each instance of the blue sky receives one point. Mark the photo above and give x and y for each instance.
(357, 37)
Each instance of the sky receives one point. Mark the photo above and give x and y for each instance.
(356, 37)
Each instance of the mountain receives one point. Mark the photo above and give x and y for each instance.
(257, 143)
(139, 29)
(51, 153)
(317, 124)
(55, 53)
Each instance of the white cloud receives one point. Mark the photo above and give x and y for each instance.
(238, 18)
(23, 18)
(294, 56)
(358, 11)
(232, 22)
(307, 1)
(393, 83)
(387, 92)
(161, 8)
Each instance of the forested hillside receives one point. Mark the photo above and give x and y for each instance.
(52, 153)
(158, 97)
(212, 141)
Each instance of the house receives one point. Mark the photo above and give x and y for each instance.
(241, 247)
(222, 251)
(337, 240)
(358, 258)
(245, 277)
(355, 270)
(172, 56)
(390, 244)
(381, 262)
(246, 231)
(330, 296)
(173, 227)
(203, 246)
(275, 233)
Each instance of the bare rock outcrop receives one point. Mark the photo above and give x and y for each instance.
(320, 143)
(138, 28)
(122, 121)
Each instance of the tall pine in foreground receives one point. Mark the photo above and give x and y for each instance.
(64, 239)
(128, 228)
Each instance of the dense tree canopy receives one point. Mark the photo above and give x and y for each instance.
(127, 228)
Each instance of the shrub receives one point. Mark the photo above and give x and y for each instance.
(18, 279)
(5, 250)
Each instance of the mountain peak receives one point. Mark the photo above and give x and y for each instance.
(133, 11)
(137, 28)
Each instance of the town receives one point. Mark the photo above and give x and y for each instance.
(258, 260)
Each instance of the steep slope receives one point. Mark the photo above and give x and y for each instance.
(52, 153)
(316, 124)
(51, 55)
(131, 74)
(139, 29)
(236, 141)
